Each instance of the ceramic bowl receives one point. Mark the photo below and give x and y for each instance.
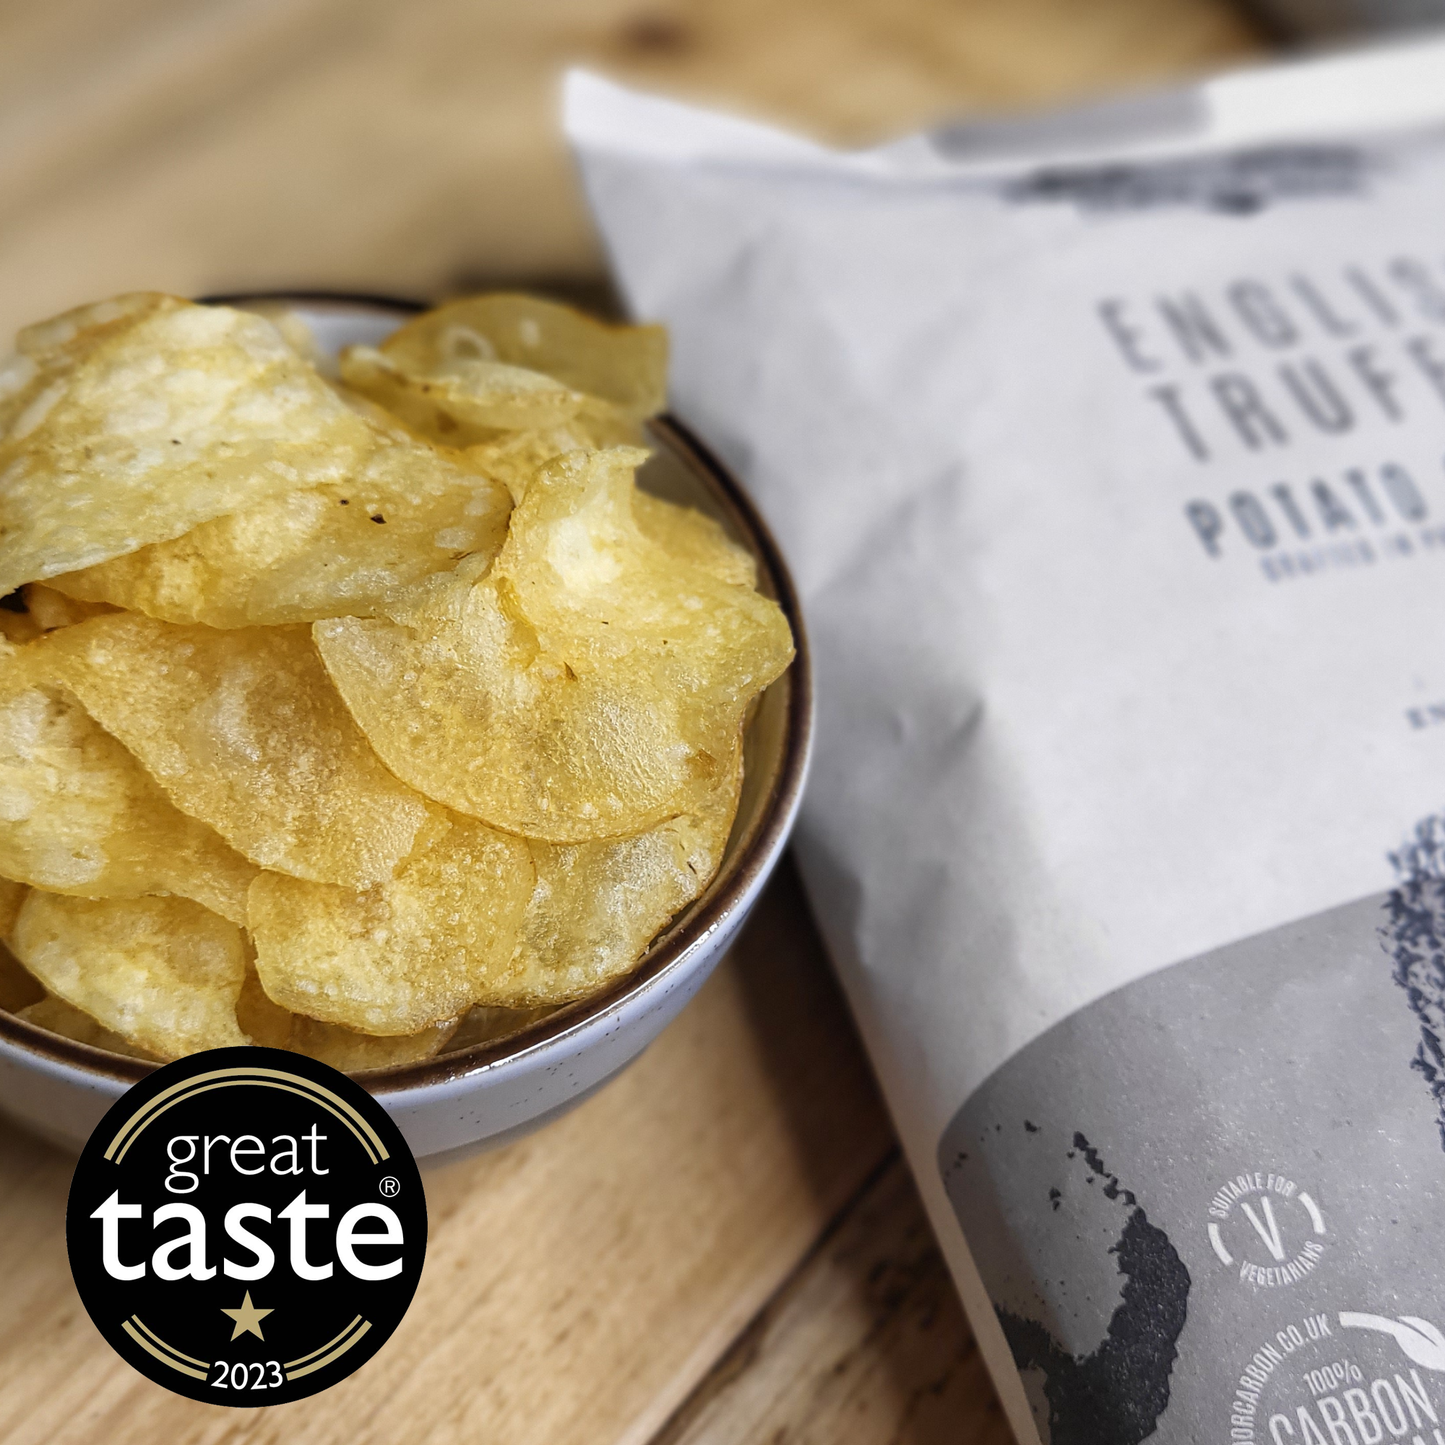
(485, 1094)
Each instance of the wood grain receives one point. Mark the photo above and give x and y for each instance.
(865, 1343)
(578, 1284)
(235, 144)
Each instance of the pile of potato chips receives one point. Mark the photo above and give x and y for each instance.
(363, 714)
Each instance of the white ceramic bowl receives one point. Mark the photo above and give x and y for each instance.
(489, 1093)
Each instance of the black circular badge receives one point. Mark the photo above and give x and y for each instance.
(246, 1226)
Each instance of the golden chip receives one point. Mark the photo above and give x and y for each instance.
(164, 973)
(54, 343)
(398, 957)
(18, 987)
(623, 365)
(296, 332)
(78, 813)
(36, 609)
(356, 595)
(147, 426)
(591, 684)
(693, 539)
(411, 510)
(47, 350)
(264, 1023)
(274, 1027)
(243, 731)
(71, 1023)
(460, 400)
(597, 906)
(50, 608)
(487, 1024)
(593, 584)
(349, 1051)
(459, 700)
(12, 895)
(17, 626)
(514, 459)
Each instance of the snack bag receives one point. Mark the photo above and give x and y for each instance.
(1109, 453)
(1342, 17)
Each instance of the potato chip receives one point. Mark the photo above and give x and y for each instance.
(411, 510)
(460, 701)
(54, 344)
(12, 895)
(486, 1024)
(79, 815)
(460, 400)
(597, 906)
(242, 731)
(693, 539)
(398, 957)
(37, 609)
(591, 684)
(18, 987)
(356, 595)
(274, 1027)
(624, 365)
(351, 1052)
(164, 973)
(297, 333)
(17, 626)
(264, 1023)
(51, 608)
(514, 459)
(48, 349)
(72, 1023)
(151, 424)
(593, 584)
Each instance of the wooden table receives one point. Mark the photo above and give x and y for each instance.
(723, 1245)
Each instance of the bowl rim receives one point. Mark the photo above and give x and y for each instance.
(736, 881)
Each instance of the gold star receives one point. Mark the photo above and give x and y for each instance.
(248, 1319)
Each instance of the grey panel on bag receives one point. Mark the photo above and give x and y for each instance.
(1088, 1170)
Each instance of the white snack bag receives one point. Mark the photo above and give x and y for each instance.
(1110, 460)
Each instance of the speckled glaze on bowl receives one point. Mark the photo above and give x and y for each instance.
(484, 1095)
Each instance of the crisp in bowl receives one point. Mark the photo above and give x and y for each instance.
(478, 1094)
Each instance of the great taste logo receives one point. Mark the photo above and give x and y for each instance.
(1267, 1228)
(246, 1227)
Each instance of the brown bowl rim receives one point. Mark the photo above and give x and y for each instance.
(741, 873)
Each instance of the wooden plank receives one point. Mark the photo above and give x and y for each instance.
(84, 84)
(865, 1345)
(578, 1284)
(415, 148)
